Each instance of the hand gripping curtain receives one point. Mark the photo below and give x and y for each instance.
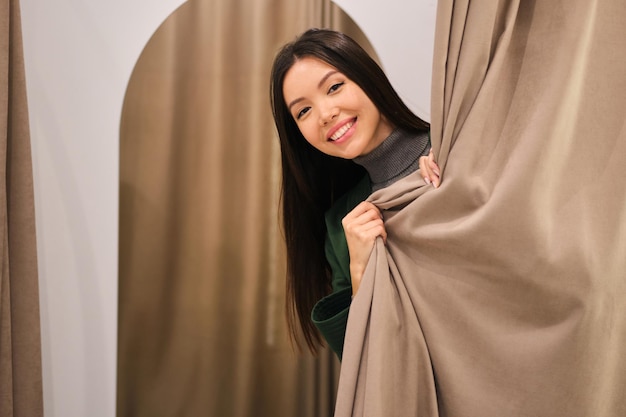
(503, 292)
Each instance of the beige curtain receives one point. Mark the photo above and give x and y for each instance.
(20, 342)
(503, 293)
(201, 324)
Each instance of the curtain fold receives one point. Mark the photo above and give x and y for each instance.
(201, 320)
(503, 292)
(20, 341)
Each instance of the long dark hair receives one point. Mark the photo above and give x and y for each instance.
(312, 180)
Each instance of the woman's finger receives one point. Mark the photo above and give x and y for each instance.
(423, 166)
(362, 213)
(433, 164)
(430, 169)
(427, 173)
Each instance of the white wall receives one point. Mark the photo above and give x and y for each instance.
(79, 57)
(402, 33)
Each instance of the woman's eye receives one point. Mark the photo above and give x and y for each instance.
(302, 112)
(334, 87)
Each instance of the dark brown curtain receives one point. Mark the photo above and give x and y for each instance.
(202, 329)
(20, 342)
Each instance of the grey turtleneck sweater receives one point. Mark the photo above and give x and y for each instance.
(395, 158)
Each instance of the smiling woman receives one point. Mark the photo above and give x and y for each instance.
(344, 132)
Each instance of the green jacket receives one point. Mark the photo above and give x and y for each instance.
(330, 314)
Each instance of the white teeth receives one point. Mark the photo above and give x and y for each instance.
(342, 130)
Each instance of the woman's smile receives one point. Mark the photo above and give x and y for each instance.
(342, 131)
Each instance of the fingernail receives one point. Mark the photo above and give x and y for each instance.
(427, 180)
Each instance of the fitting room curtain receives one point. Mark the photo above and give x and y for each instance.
(503, 293)
(201, 325)
(20, 342)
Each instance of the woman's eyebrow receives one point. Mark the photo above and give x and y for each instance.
(296, 101)
(325, 77)
(319, 85)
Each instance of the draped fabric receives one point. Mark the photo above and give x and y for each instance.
(20, 341)
(202, 329)
(503, 292)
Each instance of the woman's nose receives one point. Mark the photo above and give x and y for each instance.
(328, 115)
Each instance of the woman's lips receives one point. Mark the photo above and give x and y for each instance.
(340, 130)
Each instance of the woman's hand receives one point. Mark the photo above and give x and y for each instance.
(361, 226)
(430, 169)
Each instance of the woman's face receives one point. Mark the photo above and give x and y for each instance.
(333, 113)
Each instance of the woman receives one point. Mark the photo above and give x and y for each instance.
(344, 132)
